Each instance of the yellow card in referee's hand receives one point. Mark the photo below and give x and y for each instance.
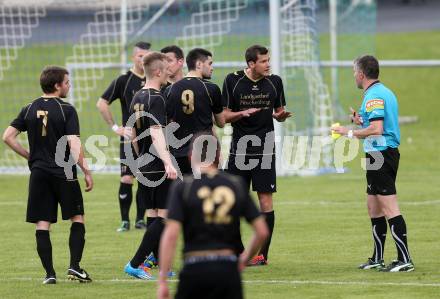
(335, 135)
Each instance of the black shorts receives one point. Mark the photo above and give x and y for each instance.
(46, 191)
(184, 165)
(210, 280)
(383, 180)
(263, 175)
(155, 197)
(125, 170)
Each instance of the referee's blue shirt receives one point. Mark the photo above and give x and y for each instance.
(380, 103)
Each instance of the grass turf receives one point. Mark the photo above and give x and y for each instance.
(322, 228)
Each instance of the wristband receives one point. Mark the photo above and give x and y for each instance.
(350, 134)
(115, 127)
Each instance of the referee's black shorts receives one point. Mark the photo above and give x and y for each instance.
(263, 175)
(46, 191)
(210, 280)
(383, 180)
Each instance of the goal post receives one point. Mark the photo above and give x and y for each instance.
(93, 39)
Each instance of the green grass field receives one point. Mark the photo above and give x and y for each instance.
(322, 227)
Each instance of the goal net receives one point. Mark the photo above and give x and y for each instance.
(93, 39)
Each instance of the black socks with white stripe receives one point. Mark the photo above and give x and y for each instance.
(398, 231)
(125, 198)
(379, 230)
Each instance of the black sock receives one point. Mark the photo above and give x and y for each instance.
(140, 205)
(125, 199)
(398, 231)
(156, 252)
(76, 244)
(270, 220)
(150, 220)
(150, 241)
(44, 249)
(379, 230)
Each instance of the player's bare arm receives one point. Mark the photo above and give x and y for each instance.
(134, 142)
(167, 250)
(231, 116)
(159, 144)
(375, 128)
(281, 114)
(355, 117)
(78, 154)
(10, 138)
(104, 108)
(219, 119)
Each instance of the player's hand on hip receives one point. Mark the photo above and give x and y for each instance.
(249, 112)
(89, 182)
(162, 291)
(281, 115)
(171, 172)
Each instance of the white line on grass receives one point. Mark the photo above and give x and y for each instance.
(292, 282)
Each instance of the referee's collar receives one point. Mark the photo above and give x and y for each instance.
(375, 82)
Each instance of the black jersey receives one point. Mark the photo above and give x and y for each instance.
(124, 88)
(152, 102)
(241, 93)
(46, 120)
(164, 87)
(191, 103)
(209, 209)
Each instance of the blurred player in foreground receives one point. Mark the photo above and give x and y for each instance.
(208, 210)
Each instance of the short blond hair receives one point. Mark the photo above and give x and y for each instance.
(153, 61)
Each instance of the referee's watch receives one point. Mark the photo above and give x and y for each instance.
(350, 134)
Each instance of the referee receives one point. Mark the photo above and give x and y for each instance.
(378, 118)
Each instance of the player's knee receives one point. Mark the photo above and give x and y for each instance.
(266, 207)
(162, 213)
(375, 212)
(266, 204)
(389, 206)
(152, 213)
(77, 218)
(42, 225)
(127, 179)
(391, 212)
